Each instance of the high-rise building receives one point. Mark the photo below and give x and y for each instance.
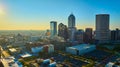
(63, 31)
(71, 27)
(88, 36)
(79, 35)
(115, 35)
(71, 21)
(102, 28)
(53, 28)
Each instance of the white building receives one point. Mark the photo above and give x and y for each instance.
(25, 55)
(50, 48)
(80, 49)
(111, 64)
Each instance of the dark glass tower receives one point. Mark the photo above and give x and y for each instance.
(63, 31)
(71, 21)
(71, 27)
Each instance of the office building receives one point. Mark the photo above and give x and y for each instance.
(71, 27)
(102, 33)
(71, 21)
(63, 31)
(88, 35)
(79, 35)
(115, 35)
(53, 28)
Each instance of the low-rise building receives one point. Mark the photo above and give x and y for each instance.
(112, 64)
(48, 48)
(80, 49)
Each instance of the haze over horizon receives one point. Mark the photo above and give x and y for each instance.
(37, 14)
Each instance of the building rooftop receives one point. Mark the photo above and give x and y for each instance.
(13, 50)
(26, 55)
(82, 46)
(102, 14)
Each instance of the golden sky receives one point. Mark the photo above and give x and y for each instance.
(36, 15)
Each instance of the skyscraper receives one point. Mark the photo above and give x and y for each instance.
(63, 31)
(88, 35)
(71, 21)
(53, 28)
(102, 28)
(71, 27)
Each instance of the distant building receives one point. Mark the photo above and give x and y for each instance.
(115, 35)
(19, 38)
(88, 36)
(34, 38)
(79, 35)
(47, 33)
(71, 27)
(63, 31)
(71, 21)
(53, 28)
(80, 49)
(102, 33)
(11, 40)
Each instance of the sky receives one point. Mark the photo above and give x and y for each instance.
(37, 14)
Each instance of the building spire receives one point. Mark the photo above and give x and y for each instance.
(71, 13)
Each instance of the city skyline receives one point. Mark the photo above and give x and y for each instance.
(36, 15)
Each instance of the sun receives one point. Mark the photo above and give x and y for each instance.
(2, 11)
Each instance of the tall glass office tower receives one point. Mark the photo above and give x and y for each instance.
(53, 28)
